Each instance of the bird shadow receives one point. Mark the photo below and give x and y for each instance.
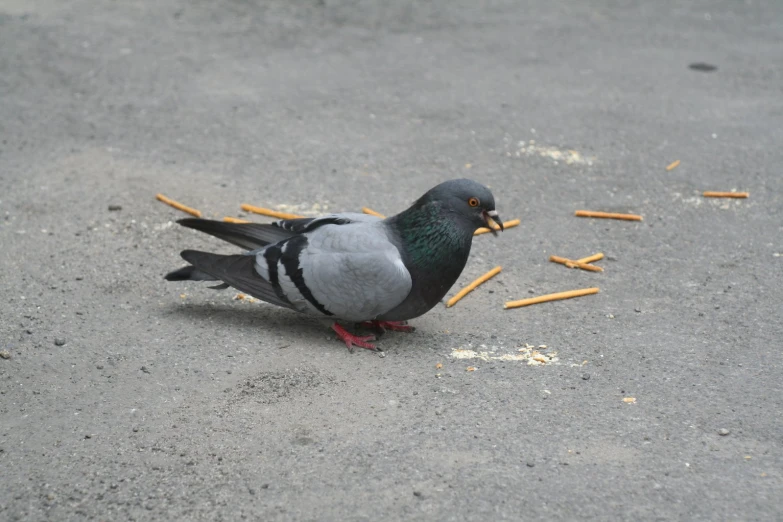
(291, 325)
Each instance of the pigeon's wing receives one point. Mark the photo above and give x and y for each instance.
(252, 236)
(249, 236)
(303, 225)
(350, 271)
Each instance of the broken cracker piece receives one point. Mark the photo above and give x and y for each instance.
(715, 194)
(608, 215)
(506, 224)
(550, 297)
(268, 212)
(472, 286)
(368, 210)
(178, 206)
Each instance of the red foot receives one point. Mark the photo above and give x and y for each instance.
(352, 340)
(394, 326)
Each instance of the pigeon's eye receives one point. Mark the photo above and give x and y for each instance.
(473, 202)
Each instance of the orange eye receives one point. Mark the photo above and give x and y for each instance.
(473, 202)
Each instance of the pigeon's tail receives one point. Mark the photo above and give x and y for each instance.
(189, 273)
(237, 271)
(249, 236)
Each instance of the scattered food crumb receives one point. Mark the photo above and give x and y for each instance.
(526, 354)
(439, 366)
(245, 297)
(747, 457)
(5, 354)
(567, 156)
(470, 369)
(673, 165)
(629, 400)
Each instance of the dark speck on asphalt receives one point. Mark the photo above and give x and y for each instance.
(144, 369)
(59, 341)
(586, 376)
(703, 67)
(115, 208)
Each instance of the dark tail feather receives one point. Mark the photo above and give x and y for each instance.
(237, 271)
(189, 273)
(249, 236)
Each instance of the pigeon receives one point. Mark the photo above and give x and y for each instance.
(351, 267)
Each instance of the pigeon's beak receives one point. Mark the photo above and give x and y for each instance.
(490, 218)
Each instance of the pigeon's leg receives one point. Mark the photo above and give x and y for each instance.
(394, 326)
(352, 340)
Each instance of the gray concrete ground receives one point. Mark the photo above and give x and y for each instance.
(172, 401)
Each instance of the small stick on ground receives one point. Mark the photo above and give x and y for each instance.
(607, 215)
(371, 212)
(591, 259)
(472, 286)
(713, 194)
(506, 224)
(268, 212)
(178, 206)
(673, 165)
(571, 263)
(229, 219)
(550, 297)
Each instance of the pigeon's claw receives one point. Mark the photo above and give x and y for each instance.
(352, 340)
(394, 326)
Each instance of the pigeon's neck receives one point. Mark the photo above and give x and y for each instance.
(434, 239)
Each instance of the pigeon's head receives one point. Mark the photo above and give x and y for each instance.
(470, 200)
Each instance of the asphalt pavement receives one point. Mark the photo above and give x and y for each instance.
(124, 397)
